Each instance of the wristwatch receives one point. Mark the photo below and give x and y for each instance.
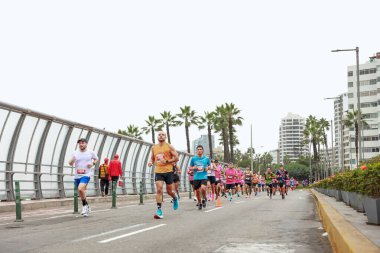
(167, 161)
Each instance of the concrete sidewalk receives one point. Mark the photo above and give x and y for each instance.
(347, 229)
(48, 203)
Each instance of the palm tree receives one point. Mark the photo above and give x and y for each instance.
(312, 134)
(351, 120)
(324, 127)
(233, 118)
(132, 131)
(189, 118)
(152, 126)
(221, 125)
(168, 120)
(208, 121)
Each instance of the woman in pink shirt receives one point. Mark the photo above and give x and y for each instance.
(191, 178)
(218, 178)
(231, 176)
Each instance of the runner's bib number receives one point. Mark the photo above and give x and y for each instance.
(229, 177)
(200, 168)
(81, 171)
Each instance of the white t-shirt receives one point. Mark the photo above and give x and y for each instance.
(81, 161)
(211, 171)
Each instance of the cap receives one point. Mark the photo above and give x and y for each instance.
(216, 161)
(82, 139)
(106, 159)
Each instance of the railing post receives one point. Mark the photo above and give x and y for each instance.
(113, 194)
(75, 199)
(141, 194)
(190, 190)
(18, 202)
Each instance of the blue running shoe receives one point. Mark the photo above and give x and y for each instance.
(159, 214)
(175, 203)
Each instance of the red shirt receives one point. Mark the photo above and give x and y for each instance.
(114, 169)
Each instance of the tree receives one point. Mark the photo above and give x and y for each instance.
(221, 125)
(208, 120)
(132, 131)
(324, 127)
(297, 171)
(152, 126)
(189, 118)
(312, 134)
(233, 119)
(351, 120)
(168, 120)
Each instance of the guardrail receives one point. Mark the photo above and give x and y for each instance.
(35, 149)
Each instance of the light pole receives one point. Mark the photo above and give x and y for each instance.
(358, 116)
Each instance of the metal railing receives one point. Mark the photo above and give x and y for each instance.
(35, 149)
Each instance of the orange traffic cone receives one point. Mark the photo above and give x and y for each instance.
(218, 202)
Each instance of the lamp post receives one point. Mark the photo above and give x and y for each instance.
(358, 116)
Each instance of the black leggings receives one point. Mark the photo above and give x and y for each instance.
(104, 185)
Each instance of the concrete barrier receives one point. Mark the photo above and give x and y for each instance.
(343, 236)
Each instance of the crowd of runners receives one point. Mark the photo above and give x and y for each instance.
(209, 179)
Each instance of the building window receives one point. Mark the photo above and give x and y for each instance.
(350, 106)
(372, 81)
(350, 73)
(350, 95)
(350, 84)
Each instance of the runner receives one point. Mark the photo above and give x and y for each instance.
(248, 176)
(282, 175)
(269, 176)
(238, 184)
(176, 179)
(292, 183)
(191, 179)
(218, 178)
(255, 182)
(200, 164)
(230, 174)
(104, 177)
(83, 160)
(163, 156)
(287, 185)
(211, 180)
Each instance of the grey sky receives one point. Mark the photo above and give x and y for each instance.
(112, 63)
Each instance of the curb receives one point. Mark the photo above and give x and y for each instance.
(343, 236)
(48, 203)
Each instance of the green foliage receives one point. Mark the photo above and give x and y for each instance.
(298, 171)
(366, 182)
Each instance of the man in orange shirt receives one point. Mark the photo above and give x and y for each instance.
(114, 170)
(163, 157)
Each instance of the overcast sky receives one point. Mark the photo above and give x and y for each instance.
(112, 63)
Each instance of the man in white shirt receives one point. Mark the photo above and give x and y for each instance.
(83, 161)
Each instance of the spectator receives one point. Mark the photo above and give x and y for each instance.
(114, 169)
(103, 176)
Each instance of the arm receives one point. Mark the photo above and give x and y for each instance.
(152, 160)
(120, 169)
(174, 153)
(72, 160)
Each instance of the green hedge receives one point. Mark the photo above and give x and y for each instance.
(366, 182)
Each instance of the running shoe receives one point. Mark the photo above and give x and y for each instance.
(175, 203)
(159, 214)
(84, 210)
(204, 203)
(199, 206)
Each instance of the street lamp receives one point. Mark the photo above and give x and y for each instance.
(358, 116)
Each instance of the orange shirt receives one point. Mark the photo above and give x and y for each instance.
(162, 153)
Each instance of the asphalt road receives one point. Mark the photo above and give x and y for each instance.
(259, 224)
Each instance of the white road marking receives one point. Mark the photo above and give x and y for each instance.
(126, 206)
(108, 232)
(130, 234)
(238, 202)
(213, 209)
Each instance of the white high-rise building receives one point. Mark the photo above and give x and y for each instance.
(340, 106)
(369, 74)
(203, 140)
(291, 143)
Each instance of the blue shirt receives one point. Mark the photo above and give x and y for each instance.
(201, 163)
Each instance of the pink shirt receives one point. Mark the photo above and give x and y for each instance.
(218, 172)
(240, 176)
(191, 177)
(230, 176)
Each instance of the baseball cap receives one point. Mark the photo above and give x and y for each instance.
(82, 139)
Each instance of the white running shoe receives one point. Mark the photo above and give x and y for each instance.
(84, 210)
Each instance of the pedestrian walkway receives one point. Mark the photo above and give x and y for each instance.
(357, 220)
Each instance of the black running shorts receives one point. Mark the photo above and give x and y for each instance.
(198, 183)
(168, 177)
